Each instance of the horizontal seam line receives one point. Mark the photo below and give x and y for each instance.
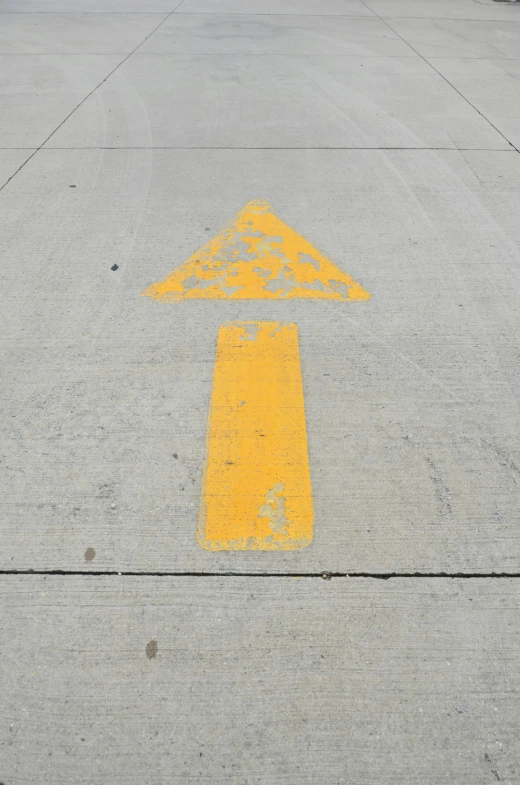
(167, 147)
(372, 15)
(324, 575)
(144, 53)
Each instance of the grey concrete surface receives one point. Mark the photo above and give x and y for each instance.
(89, 6)
(247, 101)
(445, 9)
(303, 7)
(492, 86)
(10, 161)
(411, 398)
(38, 92)
(267, 34)
(460, 37)
(389, 144)
(74, 33)
(264, 681)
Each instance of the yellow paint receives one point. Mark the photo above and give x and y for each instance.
(257, 256)
(256, 489)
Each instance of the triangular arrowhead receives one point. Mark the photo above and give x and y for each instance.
(257, 256)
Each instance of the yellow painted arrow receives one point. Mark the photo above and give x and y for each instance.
(256, 490)
(257, 256)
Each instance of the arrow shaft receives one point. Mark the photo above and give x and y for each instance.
(256, 492)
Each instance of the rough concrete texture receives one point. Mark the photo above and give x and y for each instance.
(262, 34)
(271, 681)
(386, 133)
(88, 33)
(10, 162)
(242, 101)
(484, 10)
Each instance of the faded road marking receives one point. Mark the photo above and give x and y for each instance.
(257, 256)
(256, 489)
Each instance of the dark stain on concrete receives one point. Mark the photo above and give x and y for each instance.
(151, 650)
(89, 554)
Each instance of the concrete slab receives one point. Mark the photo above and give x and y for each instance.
(460, 38)
(411, 398)
(275, 34)
(279, 101)
(10, 160)
(445, 9)
(265, 681)
(301, 7)
(39, 91)
(74, 33)
(89, 6)
(492, 86)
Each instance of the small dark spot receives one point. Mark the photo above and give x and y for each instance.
(175, 455)
(230, 463)
(82, 739)
(89, 554)
(115, 267)
(70, 186)
(207, 229)
(105, 491)
(151, 650)
(200, 754)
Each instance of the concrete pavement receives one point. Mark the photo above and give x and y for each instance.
(255, 680)
(386, 133)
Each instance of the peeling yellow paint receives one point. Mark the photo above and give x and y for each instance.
(274, 509)
(257, 256)
(256, 489)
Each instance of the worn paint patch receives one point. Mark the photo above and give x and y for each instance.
(274, 509)
(257, 256)
(256, 490)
